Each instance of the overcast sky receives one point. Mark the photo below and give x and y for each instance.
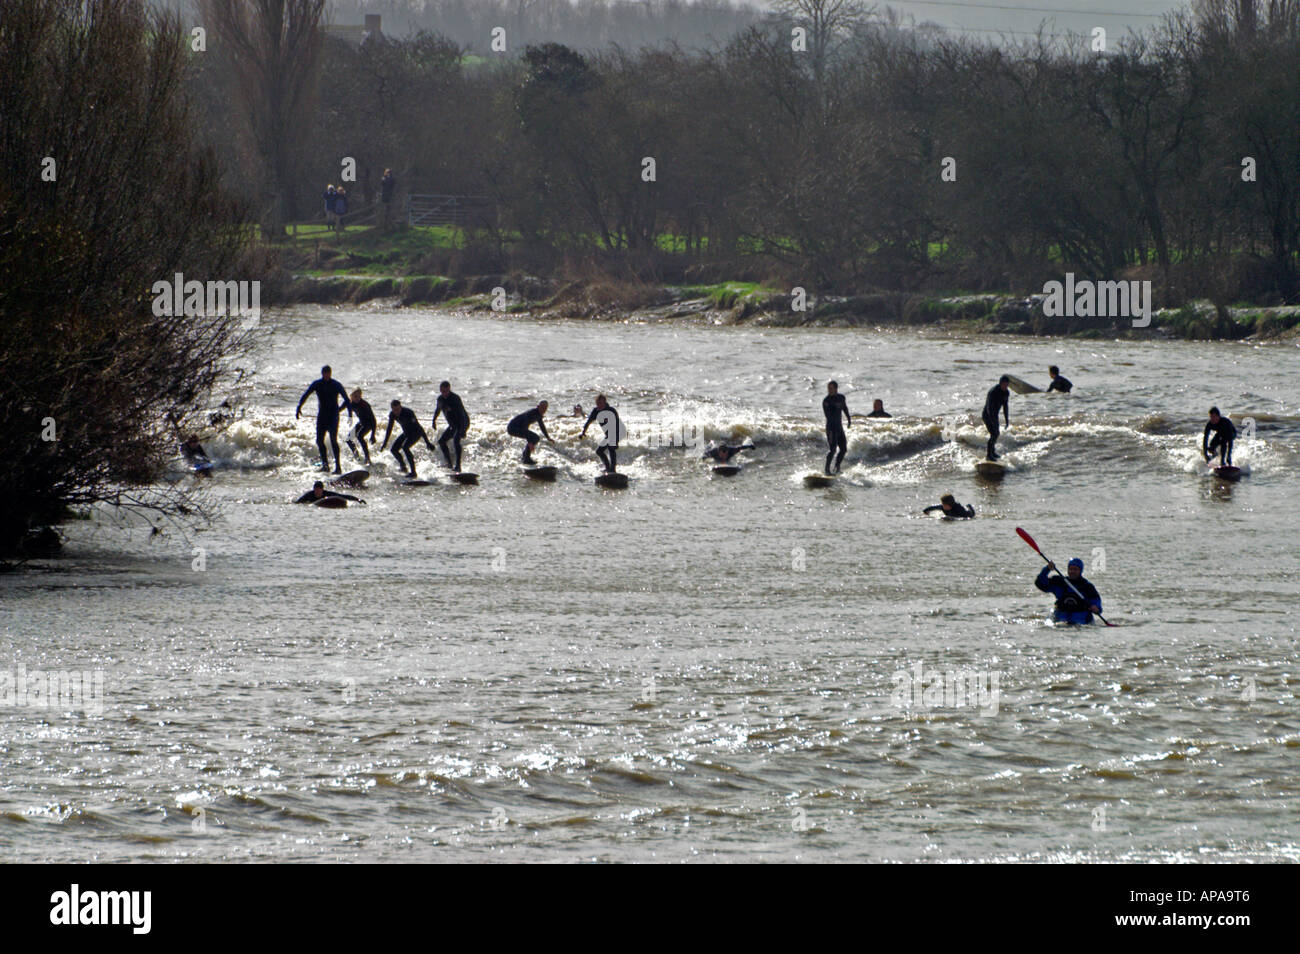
(1058, 16)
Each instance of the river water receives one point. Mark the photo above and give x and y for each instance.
(697, 667)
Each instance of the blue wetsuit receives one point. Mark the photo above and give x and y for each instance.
(327, 414)
(1069, 608)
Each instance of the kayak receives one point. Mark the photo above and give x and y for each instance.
(1075, 618)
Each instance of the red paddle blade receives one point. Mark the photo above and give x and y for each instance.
(1024, 535)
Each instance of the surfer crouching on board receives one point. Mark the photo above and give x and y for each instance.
(411, 432)
(833, 406)
(318, 492)
(999, 399)
(604, 415)
(365, 425)
(951, 508)
(1224, 436)
(518, 427)
(194, 453)
(1076, 598)
(452, 408)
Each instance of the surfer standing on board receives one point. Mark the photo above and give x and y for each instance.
(365, 425)
(327, 392)
(604, 415)
(833, 406)
(1224, 436)
(518, 427)
(999, 399)
(1076, 598)
(452, 408)
(412, 431)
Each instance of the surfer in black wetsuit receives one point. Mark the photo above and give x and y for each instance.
(999, 399)
(1225, 433)
(878, 409)
(605, 415)
(833, 406)
(411, 432)
(327, 392)
(951, 508)
(193, 452)
(318, 492)
(722, 453)
(1059, 381)
(452, 408)
(518, 427)
(365, 425)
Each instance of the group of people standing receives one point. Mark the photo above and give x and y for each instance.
(333, 399)
(336, 202)
(329, 393)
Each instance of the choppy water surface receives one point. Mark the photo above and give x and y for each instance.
(694, 668)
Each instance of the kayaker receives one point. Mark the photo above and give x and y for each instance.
(1076, 598)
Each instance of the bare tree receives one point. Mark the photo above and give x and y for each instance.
(272, 51)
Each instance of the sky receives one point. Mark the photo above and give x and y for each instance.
(1025, 16)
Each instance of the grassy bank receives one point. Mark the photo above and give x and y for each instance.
(443, 267)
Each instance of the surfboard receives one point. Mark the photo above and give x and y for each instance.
(545, 473)
(1021, 387)
(726, 470)
(1227, 472)
(465, 478)
(331, 503)
(818, 480)
(612, 481)
(353, 478)
(990, 468)
(417, 483)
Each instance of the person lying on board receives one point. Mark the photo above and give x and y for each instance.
(318, 492)
(1076, 598)
(951, 508)
(724, 452)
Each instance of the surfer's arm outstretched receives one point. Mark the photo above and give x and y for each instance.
(302, 400)
(388, 432)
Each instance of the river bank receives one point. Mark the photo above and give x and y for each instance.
(400, 271)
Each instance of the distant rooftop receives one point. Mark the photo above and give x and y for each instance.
(354, 34)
